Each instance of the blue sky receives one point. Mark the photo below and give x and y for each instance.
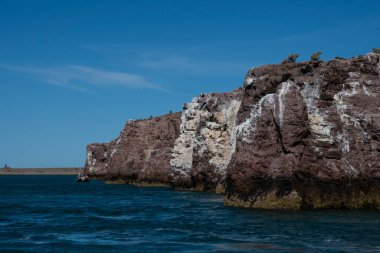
(73, 72)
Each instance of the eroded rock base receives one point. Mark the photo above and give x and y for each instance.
(308, 193)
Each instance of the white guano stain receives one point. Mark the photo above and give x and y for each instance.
(216, 137)
(222, 143)
(350, 89)
(182, 153)
(285, 86)
(91, 161)
(319, 124)
(249, 126)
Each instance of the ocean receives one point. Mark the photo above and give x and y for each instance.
(57, 214)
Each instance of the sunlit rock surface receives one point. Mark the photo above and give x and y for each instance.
(139, 155)
(207, 140)
(295, 135)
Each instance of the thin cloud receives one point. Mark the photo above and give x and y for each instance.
(194, 59)
(190, 65)
(80, 77)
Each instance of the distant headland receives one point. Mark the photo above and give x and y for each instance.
(6, 170)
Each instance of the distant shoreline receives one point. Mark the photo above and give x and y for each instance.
(40, 171)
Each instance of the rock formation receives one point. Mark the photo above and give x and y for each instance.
(139, 155)
(295, 135)
(206, 143)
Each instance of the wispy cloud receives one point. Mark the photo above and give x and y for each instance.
(79, 78)
(194, 59)
(189, 64)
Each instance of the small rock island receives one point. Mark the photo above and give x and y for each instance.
(294, 136)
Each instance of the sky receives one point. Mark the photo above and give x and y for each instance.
(73, 72)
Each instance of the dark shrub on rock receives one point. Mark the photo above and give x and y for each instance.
(316, 56)
(291, 59)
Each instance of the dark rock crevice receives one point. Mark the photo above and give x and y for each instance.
(284, 150)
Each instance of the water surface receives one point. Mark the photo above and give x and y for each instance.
(56, 214)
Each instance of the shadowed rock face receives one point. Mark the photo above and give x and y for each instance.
(296, 135)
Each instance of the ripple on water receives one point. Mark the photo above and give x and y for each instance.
(55, 214)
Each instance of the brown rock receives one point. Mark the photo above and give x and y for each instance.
(140, 154)
(320, 124)
(295, 135)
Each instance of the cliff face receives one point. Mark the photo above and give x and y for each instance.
(207, 140)
(296, 135)
(97, 159)
(308, 136)
(139, 155)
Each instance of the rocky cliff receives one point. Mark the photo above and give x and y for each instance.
(139, 155)
(295, 135)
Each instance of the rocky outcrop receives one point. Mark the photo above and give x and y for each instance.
(97, 160)
(207, 139)
(308, 136)
(295, 135)
(140, 154)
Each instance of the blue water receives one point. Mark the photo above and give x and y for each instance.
(56, 214)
